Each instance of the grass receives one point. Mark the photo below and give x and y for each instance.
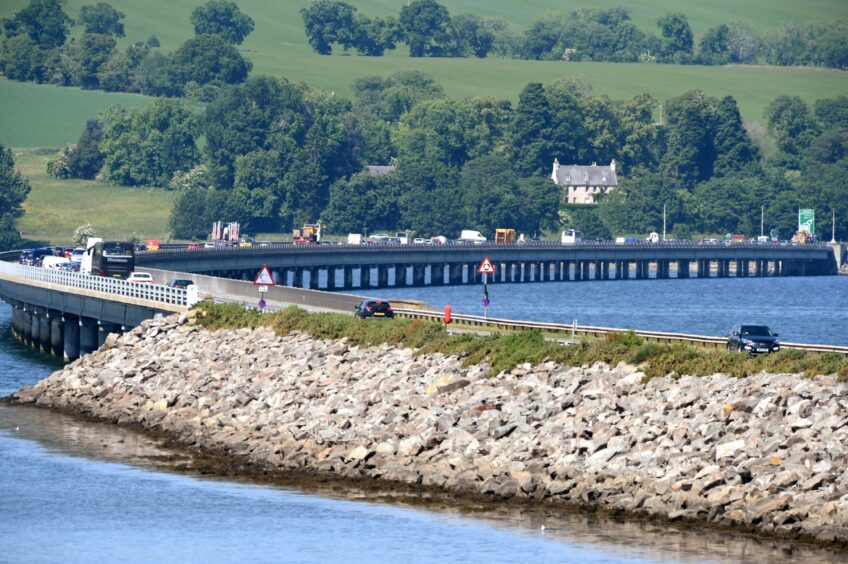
(505, 351)
(34, 116)
(38, 115)
(55, 208)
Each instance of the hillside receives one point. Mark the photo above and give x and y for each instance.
(278, 46)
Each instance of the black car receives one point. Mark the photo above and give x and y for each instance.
(373, 308)
(181, 283)
(753, 339)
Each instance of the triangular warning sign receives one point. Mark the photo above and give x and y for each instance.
(264, 277)
(486, 267)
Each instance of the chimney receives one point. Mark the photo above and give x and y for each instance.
(554, 174)
(612, 165)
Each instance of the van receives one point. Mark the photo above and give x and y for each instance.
(472, 236)
(354, 238)
(620, 240)
(403, 238)
(653, 237)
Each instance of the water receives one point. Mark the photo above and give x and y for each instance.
(800, 309)
(76, 491)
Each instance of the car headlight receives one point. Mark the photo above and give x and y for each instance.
(776, 347)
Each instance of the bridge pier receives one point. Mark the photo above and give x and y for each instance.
(437, 274)
(313, 278)
(383, 276)
(347, 278)
(331, 278)
(88, 335)
(418, 275)
(455, 274)
(71, 337)
(104, 330)
(57, 333)
(400, 276)
(35, 331)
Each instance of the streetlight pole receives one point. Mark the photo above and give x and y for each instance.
(762, 217)
(833, 226)
(663, 222)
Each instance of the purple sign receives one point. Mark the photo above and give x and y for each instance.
(262, 303)
(485, 302)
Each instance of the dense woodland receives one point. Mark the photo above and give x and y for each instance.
(274, 154)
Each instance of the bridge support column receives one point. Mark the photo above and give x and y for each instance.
(683, 269)
(314, 275)
(437, 274)
(297, 278)
(365, 280)
(418, 274)
(26, 325)
(57, 330)
(35, 328)
(739, 268)
(400, 276)
(605, 268)
(331, 278)
(347, 278)
(662, 269)
(71, 337)
(104, 329)
(88, 335)
(455, 273)
(383, 276)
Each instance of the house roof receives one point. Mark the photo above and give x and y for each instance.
(379, 170)
(582, 175)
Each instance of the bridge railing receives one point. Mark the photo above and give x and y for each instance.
(144, 291)
(590, 331)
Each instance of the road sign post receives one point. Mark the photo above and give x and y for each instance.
(263, 280)
(486, 267)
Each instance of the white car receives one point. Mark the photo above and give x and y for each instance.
(140, 278)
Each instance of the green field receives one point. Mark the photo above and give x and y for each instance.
(37, 115)
(55, 208)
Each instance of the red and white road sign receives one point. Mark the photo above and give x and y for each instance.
(486, 267)
(264, 277)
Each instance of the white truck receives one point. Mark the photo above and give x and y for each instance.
(85, 264)
(471, 236)
(571, 237)
(653, 237)
(354, 238)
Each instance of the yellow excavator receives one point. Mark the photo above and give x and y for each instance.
(309, 234)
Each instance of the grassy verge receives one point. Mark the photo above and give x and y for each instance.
(55, 208)
(505, 351)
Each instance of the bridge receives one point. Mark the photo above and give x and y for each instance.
(68, 314)
(345, 267)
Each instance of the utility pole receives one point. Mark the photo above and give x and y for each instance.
(833, 226)
(762, 217)
(663, 219)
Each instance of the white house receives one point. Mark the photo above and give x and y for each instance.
(580, 183)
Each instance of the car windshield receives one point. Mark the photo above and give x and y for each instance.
(756, 330)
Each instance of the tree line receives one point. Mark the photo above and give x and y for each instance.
(588, 34)
(274, 154)
(35, 47)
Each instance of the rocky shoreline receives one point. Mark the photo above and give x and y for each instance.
(768, 453)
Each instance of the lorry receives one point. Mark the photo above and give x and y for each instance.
(309, 234)
(354, 238)
(653, 237)
(85, 263)
(571, 237)
(471, 236)
(505, 236)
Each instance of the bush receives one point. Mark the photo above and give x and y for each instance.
(59, 166)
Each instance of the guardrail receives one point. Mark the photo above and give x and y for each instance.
(591, 331)
(144, 291)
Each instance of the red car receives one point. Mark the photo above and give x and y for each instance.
(194, 246)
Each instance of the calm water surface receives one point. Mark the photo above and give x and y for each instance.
(800, 309)
(74, 491)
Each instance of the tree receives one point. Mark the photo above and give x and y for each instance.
(734, 149)
(14, 189)
(388, 99)
(426, 28)
(207, 58)
(82, 234)
(189, 218)
(691, 123)
(363, 202)
(327, 22)
(102, 18)
(791, 123)
(488, 190)
(22, 59)
(44, 21)
(676, 42)
(472, 36)
(89, 54)
(713, 46)
(147, 146)
(832, 112)
(87, 159)
(530, 145)
(743, 44)
(373, 36)
(222, 18)
(636, 206)
(785, 46)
